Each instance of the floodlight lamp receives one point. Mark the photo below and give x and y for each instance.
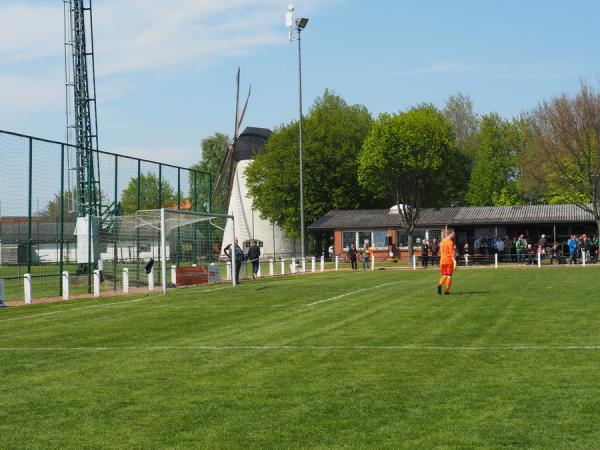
(301, 23)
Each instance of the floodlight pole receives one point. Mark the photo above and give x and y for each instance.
(299, 30)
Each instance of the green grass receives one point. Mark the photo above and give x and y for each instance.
(509, 360)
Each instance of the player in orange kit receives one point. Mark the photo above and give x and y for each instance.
(447, 262)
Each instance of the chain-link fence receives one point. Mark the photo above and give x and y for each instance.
(47, 198)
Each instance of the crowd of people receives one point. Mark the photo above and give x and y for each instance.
(525, 250)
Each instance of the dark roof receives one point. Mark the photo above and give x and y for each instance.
(250, 141)
(458, 216)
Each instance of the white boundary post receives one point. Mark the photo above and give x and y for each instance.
(303, 265)
(27, 287)
(232, 253)
(293, 265)
(163, 250)
(466, 260)
(322, 263)
(96, 283)
(495, 260)
(372, 261)
(337, 262)
(259, 273)
(174, 275)
(1, 286)
(271, 267)
(583, 260)
(151, 280)
(283, 266)
(414, 262)
(125, 280)
(228, 264)
(313, 264)
(65, 285)
(539, 261)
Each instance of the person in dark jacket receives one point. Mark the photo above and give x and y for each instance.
(254, 257)
(239, 258)
(352, 256)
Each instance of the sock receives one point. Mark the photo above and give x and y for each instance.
(448, 283)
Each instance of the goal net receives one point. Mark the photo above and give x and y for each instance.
(182, 246)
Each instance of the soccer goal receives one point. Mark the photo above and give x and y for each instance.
(181, 247)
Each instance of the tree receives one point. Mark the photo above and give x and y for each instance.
(407, 159)
(495, 171)
(566, 133)
(52, 209)
(149, 194)
(465, 123)
(214, 149)
(333, 135)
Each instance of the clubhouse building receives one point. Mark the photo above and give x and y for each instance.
(384, 227)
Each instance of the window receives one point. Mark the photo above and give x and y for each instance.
(380, 239)
(364, 235)
(348, 238)
(418, 236)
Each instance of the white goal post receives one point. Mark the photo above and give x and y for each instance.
(169, 221)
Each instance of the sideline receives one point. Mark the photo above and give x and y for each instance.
(330, 299)
(308, 347)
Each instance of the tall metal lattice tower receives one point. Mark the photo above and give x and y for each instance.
(81, 110)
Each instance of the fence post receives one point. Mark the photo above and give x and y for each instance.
(151, 280)
(313, 264)
(466, 260)
(495, 260)
(539, 261)
(583, 257)
(65, 285)
(303, 265)
(96, 283)
(125, 280)
(322, 263)
(228, 264)
(271, 268)
(259, 273)
(293, 267)
(337, 262)
(372, 261)
(414, 262)
(174, 275)
(27, 287)
(1, 292)
(283, 266)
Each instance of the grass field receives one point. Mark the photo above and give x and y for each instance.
(354, 360)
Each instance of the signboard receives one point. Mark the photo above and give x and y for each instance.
(189, 276)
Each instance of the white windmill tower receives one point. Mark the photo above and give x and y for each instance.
(248, 224)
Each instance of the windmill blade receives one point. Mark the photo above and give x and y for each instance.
(225, 163)
(237, 106)
(241, 119)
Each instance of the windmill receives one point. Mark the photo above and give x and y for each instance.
(238, 156)
(228, 163)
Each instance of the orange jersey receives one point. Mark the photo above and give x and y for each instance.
(447, 251)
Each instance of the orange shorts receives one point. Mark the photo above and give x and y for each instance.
(447, 268)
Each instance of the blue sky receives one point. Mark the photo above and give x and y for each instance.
(166, 70)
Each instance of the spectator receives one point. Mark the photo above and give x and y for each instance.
(425, 247)
(331, 251)
(435, 250)
(521, 246)
(573, 246)
(509, 248)
(531, 254)
(254, 257)
(585, 247)
(239, 258)
(466, 253)
(477, 246)
(542, 245)
(366, 255)
(554, 256)
(500, 248)
(352, 255)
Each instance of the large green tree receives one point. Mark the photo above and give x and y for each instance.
(149, 194)
(408, 159)
(333, 135)
(214, 149)
(465, 123)
(494, 177)
(566, 137)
